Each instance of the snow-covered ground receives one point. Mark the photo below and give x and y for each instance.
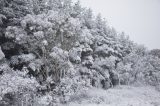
(119, 96)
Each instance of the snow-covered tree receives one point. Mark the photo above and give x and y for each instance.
(63, 49)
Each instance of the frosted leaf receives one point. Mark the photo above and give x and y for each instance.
(77, 44)
(105, 63)
(1, 54)
(75, 55)
(86, 37)
(75, 22)
(102, 50)
(39, 34)
(35, 65)
(26, 57)
(8, 45)
(44, 42)
(2, 17)
(45, 100)
(87, 51)
(10, 32)
(59, 54)
(5, 68)
(88, 61)
(23, 24)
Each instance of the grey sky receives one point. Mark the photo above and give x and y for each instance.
(140, 19)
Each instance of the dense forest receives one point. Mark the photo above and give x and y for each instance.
(52, 50)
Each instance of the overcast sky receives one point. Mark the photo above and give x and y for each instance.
(140, 19)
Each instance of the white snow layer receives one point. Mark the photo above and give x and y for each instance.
(120, 96)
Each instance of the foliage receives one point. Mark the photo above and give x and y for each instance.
(63, 49)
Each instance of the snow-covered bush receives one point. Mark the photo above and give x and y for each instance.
(17, 34)
(19, 61)
(71, 86)
(4, 68)
(139, 67)
(60, 63)
(16, 87)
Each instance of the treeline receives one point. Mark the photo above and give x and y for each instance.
(51, 50)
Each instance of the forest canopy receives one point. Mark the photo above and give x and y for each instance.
(51, 50)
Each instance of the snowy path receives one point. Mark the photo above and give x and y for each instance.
(120, 96)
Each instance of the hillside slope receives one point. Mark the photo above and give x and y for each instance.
(120, 96)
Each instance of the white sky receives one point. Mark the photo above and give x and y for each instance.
(140, 19)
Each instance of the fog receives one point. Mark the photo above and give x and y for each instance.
(140, 19)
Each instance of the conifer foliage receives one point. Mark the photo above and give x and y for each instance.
(51, 50)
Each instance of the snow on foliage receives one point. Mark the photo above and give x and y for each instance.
(44, 100)
(65, 49)
(59, 54)
(75, 55)
(86, 37)
(20, 59)
(1, 54)
(16, 33)
(35, 65)
(14, 82)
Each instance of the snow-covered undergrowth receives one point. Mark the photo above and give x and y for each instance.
(120, 96)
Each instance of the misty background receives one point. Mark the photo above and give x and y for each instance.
(140, 19)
